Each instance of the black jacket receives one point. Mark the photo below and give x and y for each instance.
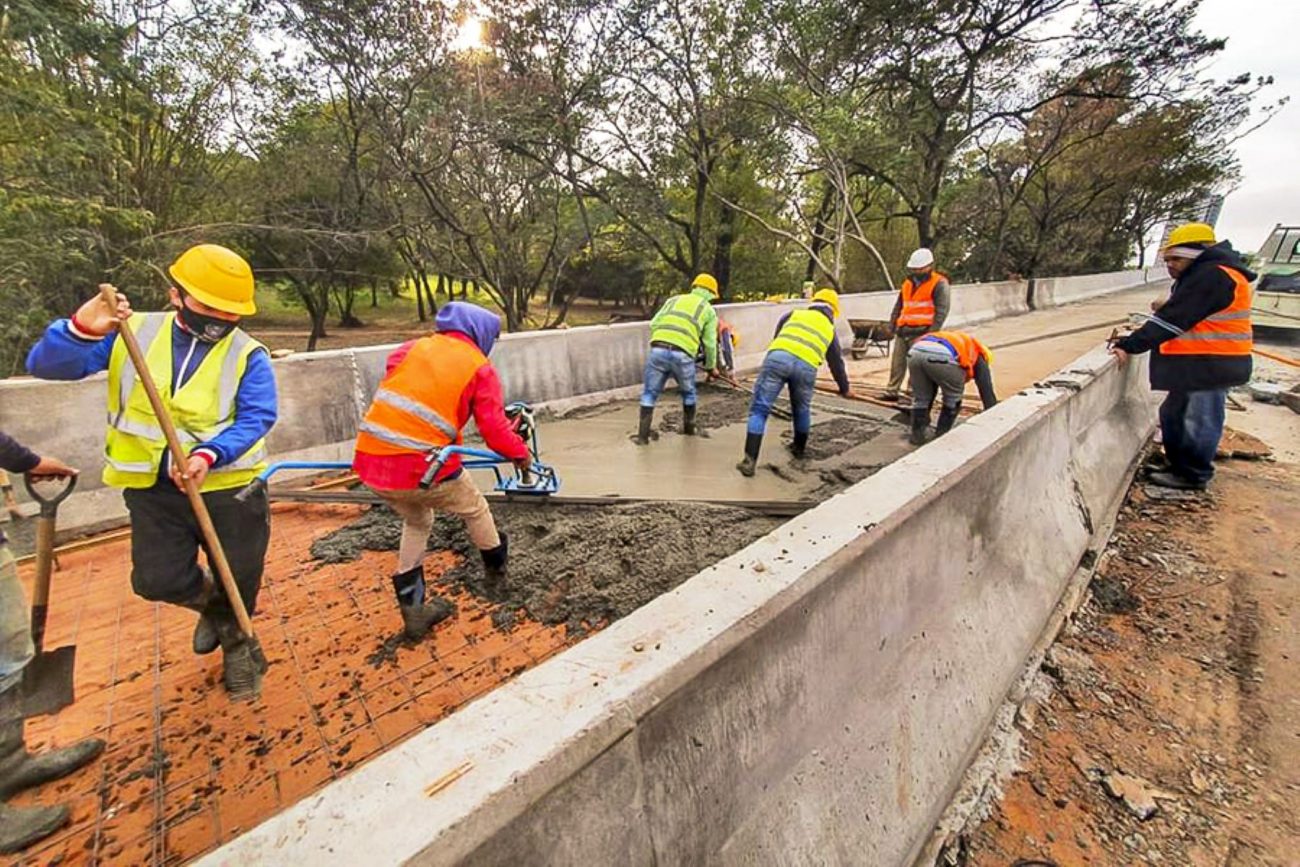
(1202, 291)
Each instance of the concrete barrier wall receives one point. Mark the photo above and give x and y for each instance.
(324, 394)
(814, 698)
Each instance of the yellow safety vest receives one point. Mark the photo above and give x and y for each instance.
(806, 335)
(681, 324)
(202, 408)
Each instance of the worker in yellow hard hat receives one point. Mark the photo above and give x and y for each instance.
(804, 340)
(684, 325)
(1200, 340)
(221, 391)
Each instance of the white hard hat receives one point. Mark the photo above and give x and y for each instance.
(921, 258)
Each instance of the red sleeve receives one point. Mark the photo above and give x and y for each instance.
(487, 404)
(397, 355)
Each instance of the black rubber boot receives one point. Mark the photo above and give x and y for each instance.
(20, 769)
(643, 430)
(494, 568)
(20, 827)
(242, 660)
(753, 442)
(947, 417)
(205, 638)
(688, 420)
(920, 424)
(799, 446)
(418, 616)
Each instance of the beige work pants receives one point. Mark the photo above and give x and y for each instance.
(457, 497)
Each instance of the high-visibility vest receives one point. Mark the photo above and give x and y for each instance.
(806, 335)
(680, 324)
(201, 408)
(1227, 332)
(415, 407)
(966, 348)
(918, 302)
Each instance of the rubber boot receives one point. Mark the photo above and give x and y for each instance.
(242, 660)
(20, 827)
(920, 423)
(494, 568)
(417, 616)
(799, 446)
(753, 442)
(688, 420)
(20, 769)
(205, 638)
(643, 431)
(947, 416)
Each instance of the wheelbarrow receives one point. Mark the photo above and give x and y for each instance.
(870, 334)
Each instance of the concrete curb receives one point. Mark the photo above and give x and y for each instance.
(814, 698)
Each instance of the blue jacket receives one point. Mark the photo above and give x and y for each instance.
(61, 354)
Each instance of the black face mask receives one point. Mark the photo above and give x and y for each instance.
(209, 329)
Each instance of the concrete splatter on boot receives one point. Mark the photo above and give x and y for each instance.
(920, 424)
(494, 569)
(947, 417)
(642, 437)
(418, 616)
(688, 420)
(753, 443)
(20, 769)
(242, 660)
(20, 827)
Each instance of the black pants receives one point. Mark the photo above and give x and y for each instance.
(165, 542)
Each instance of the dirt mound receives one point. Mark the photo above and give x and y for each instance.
(576, 565)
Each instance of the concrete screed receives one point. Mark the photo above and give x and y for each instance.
(850, 442)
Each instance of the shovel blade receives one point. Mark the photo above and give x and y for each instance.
(47, 681)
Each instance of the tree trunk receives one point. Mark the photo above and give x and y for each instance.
(374, 293)
(726, 237)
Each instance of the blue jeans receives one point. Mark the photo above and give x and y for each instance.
(780, 368)
(662, 364)
(1191, 424)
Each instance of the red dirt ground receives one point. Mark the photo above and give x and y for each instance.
(185, 768)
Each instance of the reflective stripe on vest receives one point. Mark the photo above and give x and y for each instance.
(416, 406)
(918, 302)
(965, 348)
(680, 322)
(807, 335)
(201, 408)
(1227, 332)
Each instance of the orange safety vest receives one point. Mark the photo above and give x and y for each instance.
(969, 350)
(416, 405)
(1227, 332)
(918, 302)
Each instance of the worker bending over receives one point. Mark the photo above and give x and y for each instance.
(945, 361)
(683, 324)
(433, 387)
(804, 340)
(219, 387)
(922, 306)
(20, 827)
(1202, 337)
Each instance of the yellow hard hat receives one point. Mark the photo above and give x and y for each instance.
(217, 276)
(830, 298)
(1190, 233)
(706, 281)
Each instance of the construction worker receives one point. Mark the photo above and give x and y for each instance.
(1202, 339)
(922, 306)
(804, 340)
(22, 826)
(11, 509)
(945, 361)
(683, 324)
(220, 388)
(728, 340)
(432, 388)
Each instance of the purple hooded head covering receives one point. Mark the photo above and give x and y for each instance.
(482, 326)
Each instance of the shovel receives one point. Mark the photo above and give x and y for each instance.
(216, 554)
(47, 679)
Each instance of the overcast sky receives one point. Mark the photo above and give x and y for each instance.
(1262, 39)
